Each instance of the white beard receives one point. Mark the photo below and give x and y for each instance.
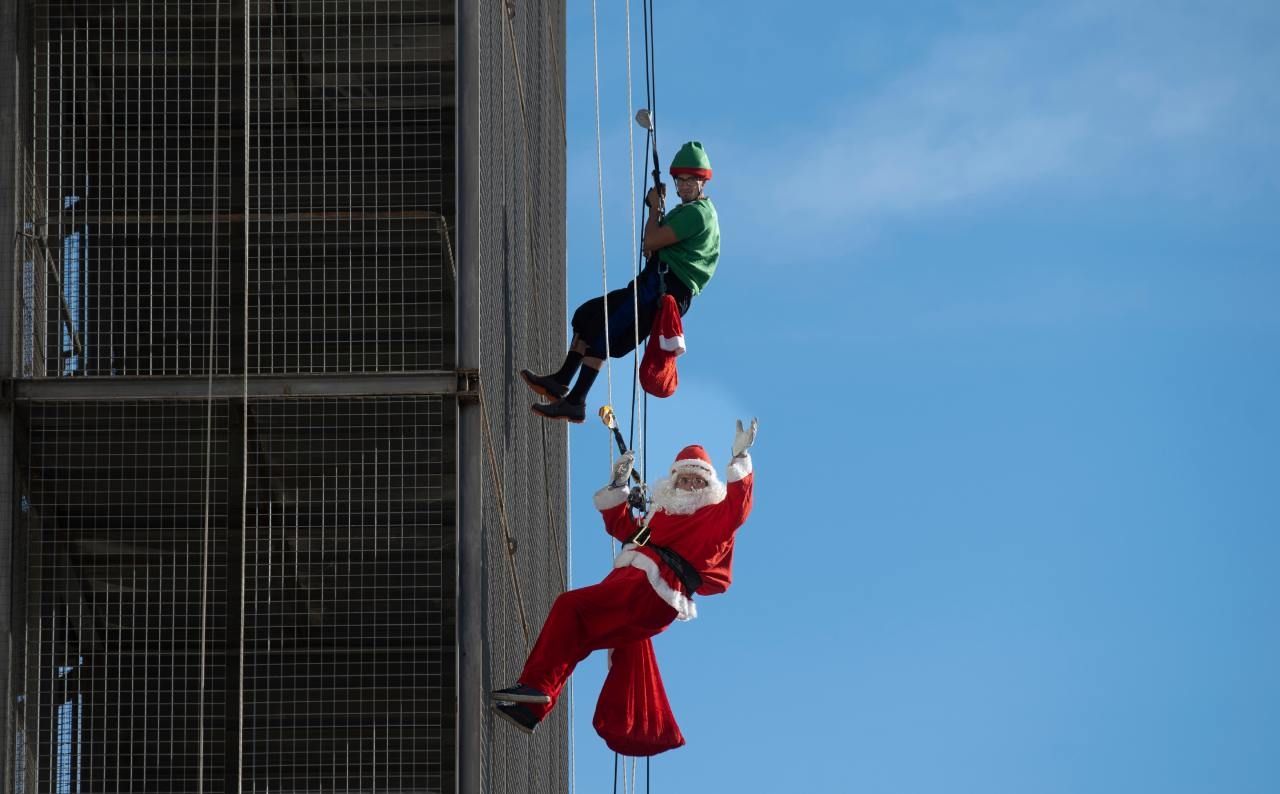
(670, 499)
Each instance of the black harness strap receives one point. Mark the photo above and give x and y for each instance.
(688, 576)
(685, 572)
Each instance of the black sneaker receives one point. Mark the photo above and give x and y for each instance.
(517, 715)
(520, 694)
(562, 410)
(544, 385)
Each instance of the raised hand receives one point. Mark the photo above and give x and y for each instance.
(743, 438)
(622, 469)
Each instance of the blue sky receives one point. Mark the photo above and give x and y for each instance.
(1000, 284)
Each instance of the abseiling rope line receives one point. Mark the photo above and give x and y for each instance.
(532, 268)
(244, 401)
(524, 140)
(651, 102)
(635, 766)
(604, 267)
(546, 491)
(533, 278)
(208, 418)
(651, 141)
(604, 260)
(555, 69)
(502, 513)
(569, 687)
(635, 245)
(453, 269)
(484, 403)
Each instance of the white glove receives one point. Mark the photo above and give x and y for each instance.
(744, 438)
(622, 469)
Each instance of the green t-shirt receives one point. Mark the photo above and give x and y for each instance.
(694, 255)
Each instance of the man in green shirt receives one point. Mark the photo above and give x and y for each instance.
(682, 250)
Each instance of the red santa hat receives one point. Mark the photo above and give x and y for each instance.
(693, 459)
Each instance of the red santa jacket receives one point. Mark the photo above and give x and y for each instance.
(704, 538)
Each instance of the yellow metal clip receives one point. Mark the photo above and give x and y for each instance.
(642, 535)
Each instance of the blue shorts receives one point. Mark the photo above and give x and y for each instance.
(589, 319)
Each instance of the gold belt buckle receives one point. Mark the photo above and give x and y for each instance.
(642, 536)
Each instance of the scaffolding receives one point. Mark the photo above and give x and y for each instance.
(269, 258)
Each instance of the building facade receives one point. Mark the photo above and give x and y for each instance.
(273, 512)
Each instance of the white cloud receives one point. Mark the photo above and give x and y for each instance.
(1090, 100)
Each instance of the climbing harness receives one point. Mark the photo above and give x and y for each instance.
(639, 499)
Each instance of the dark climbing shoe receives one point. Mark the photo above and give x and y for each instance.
(517, 715)
(563, 410)
(544, 385)
(520, 694)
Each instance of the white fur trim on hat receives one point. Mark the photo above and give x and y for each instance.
(682, 604)
(611, 496)
(674, 501)
(739, 467)
(694, 466)
(672, 344)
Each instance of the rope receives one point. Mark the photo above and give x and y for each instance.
(635, 246)
(651, 142)
(651, 76)
(448, 250)
(651, 93)
(555, 538)
(244, 399)
(534, 281)
(527, 190)
(571, 695)
(555, 69)
(650, 138)
(604, 261)
(635, 767)
(502, 513)
(208, 418)
(453, 269)
(524, 131)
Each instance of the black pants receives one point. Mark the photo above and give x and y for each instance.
(589, 319)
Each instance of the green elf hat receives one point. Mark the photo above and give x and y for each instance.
(691, 159)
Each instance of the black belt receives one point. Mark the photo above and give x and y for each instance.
(686, 573)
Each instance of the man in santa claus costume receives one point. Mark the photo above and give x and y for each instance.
(685, 549)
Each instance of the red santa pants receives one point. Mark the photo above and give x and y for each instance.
(621, 609)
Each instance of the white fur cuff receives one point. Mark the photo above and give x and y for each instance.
(672, 344)
(610, 496)
(740, 467)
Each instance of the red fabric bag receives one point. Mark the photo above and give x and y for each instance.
(658, 374)
(633, 715)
